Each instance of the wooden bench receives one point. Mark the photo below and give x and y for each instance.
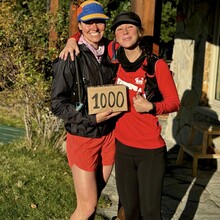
(203, 151)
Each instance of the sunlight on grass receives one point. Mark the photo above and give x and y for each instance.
(10, 118)
(35, 184)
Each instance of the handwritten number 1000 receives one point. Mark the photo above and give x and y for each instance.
(112, 100)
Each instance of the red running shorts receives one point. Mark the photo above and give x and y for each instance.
(87, 153)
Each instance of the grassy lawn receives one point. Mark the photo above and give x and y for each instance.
(9, 117)
(35, 184)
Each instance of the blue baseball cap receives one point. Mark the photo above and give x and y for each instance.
(91, 10)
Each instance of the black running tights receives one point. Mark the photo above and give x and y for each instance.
(139, 179)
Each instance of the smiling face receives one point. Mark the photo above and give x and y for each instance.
(127, 35)
(92, 31)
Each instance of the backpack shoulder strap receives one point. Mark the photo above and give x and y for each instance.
(150, 67)
(151, 88)
(77, 90)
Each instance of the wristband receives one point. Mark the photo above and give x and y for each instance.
(153, 110)
(76, 36)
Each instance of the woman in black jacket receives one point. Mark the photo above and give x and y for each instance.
(90, 138)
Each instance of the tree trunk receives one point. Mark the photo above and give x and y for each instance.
(53, 34)
(73, 24)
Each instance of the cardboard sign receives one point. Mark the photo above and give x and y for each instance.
(101, 98)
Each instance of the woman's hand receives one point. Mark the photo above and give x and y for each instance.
(103, 116)
(70, 48)
(141, 104)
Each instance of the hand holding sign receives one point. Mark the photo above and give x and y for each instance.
(107, 114)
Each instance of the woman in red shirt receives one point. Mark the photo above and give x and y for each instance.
(140, 160)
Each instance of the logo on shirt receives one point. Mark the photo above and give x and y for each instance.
(139, 80)
(130, 85)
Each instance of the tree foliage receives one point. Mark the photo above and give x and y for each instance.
(25, 70)
(26, 65)
(168, 27)
(168, 20)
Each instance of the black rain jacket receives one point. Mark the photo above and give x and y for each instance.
(64, 92)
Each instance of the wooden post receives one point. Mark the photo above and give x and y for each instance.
(146, 10)
(73, 24)
(150, 14)
(53, 34)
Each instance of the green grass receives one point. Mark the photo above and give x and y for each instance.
(35, 184)
(10, 118)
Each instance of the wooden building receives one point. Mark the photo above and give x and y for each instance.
(196, 67)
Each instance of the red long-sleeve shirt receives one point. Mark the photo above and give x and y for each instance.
(142, 130)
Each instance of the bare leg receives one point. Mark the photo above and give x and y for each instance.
(88, 187)
(86, 193)
(106, 172)
(102, 177)
(103, 174)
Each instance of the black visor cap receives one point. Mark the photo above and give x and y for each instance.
(126, 18)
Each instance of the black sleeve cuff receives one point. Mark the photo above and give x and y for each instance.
(153, 110)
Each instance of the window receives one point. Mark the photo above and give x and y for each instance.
(217, 86)
(214, 83)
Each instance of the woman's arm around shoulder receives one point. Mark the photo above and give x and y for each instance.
(71, 47)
